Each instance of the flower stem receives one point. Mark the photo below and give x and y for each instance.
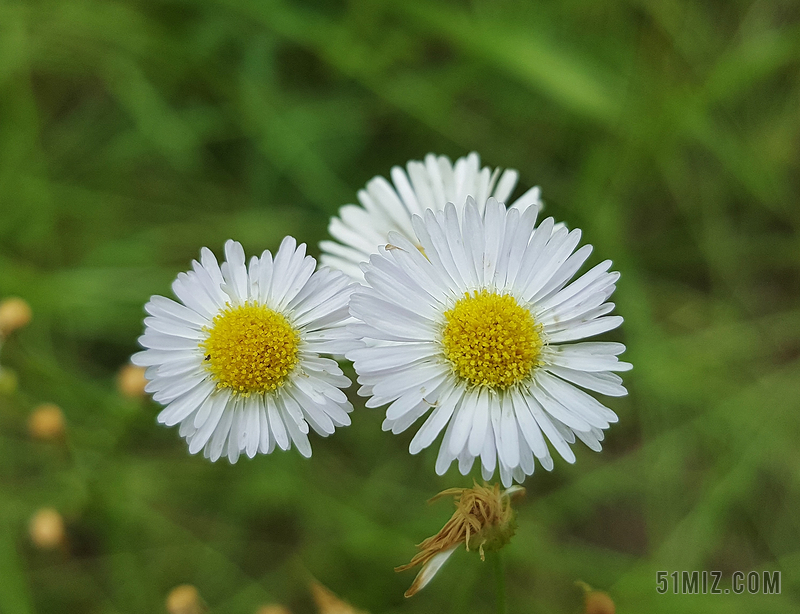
(499, 580)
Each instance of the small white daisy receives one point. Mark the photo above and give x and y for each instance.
(360, 230)
(475, 324)
(237, 362)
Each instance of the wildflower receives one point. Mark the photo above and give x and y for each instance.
(483, 520)
(46, 422)
(46, 529)
(476, 327)
(237, 363)
(360, 230)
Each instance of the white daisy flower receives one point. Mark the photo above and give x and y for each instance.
(476, 324)
(237, 362)
(360, 230)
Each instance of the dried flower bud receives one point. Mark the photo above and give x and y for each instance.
(46, 422)
(131, 381)
(329, 603)
(46, 529)
(596, 602)
(14, 313)
(273, 608)
(483, 520)
(184, 599)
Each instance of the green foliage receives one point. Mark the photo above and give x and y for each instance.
(134, 132)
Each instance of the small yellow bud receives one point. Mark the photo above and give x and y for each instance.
(131, 381)
(46, 529)
(273, 608)
(328, 603)
(596, 602)
(46, 422)
(14, 313)
(184, 599)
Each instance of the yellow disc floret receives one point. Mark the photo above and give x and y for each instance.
(491, 340)
(250, 348)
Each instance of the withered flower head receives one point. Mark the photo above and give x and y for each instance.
(483, 520)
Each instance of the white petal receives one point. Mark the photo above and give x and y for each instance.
(437, 420)
(603, 382)
(527, 261)
(251, 434)
(508, 180)
(431, 236)
(554, 254)
(590, 440)
(564, 273)
(159, 341)
(266, 442)
(149, 358)
(550, 430)
(291, 410)
(528, 426)
(429, 570)
(407, 419)
(514, 245)
(465, 462)
(234, 272)
(392, 356)
(558, 411)
(218, 439)
(184, 405)
(276, 424)
(407, 380)
(577, 401)
(489, 454)
(586, 329)
(299, 438)
(313, 411)
(160, 306)
(508, 448)
(530, 199)
(480, 423)
(218, 403)
(234, 438)
(463, 421)
(188, 290)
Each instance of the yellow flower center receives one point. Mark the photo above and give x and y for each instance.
(250, 349)
(491, 340)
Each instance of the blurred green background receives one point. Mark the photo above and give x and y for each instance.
(134, 132)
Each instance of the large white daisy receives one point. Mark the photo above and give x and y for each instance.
(476, 324)
(360, 230)
(237, 362)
